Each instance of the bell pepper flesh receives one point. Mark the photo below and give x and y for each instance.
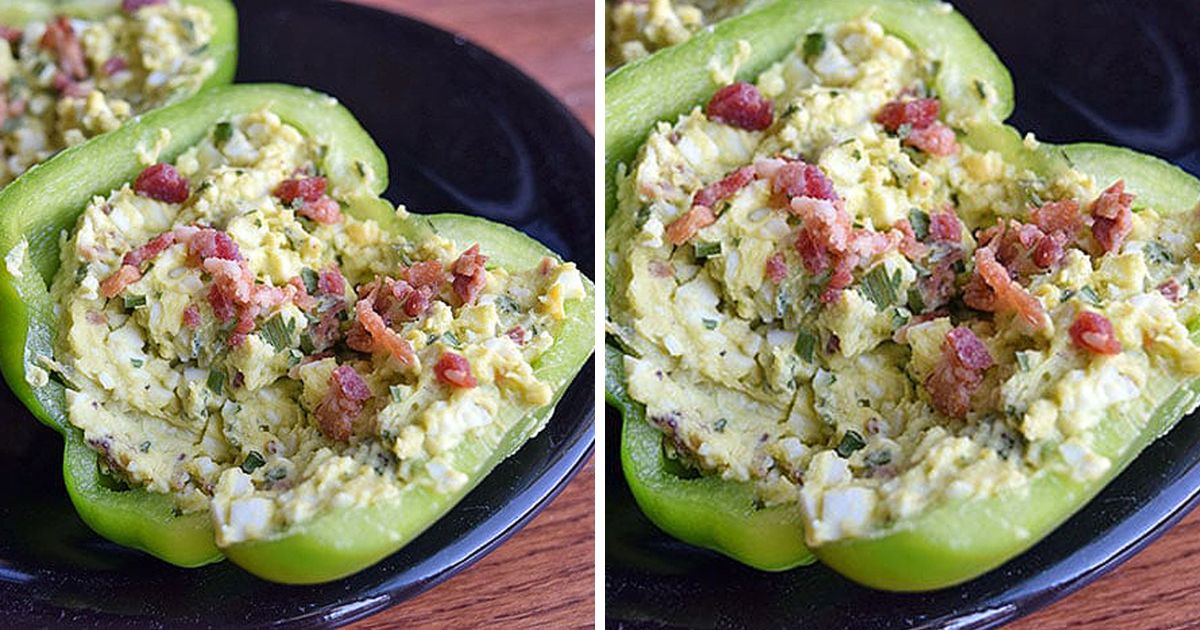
(953, 542)
(332, 545)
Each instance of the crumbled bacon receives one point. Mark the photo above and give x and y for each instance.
(681, 230)
(151, 249)
(207, 243)
(11, 35)
(114, 65)
(1094, 333)
(1172, 290)
(454, 370)
(1112, 216)
(741, 105)
(955, 378)
(917, 113)
(428, 273)
(936, 139)
(383, 339)
(222, 304)
(331, 282)
(67, 86)
(944, 227)
(60, 37)
(301, 298)
(724, 188)
(191, 316)
(129, 6)
(121, 278)
(1049, 249)
(162, 182)
(992, 289)
(517, 334)
(343, 402)
(827, 240)
(777, 269)
(937, 289)
(1058, 216)
(325, 211)
(305, 189)
(798, 179)
(470, 276)
(912, 248)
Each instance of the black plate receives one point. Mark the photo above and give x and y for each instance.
(1084, 70)
(464, 131)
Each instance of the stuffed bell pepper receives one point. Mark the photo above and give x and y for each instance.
(72, 70)
(249, 354)
(852, 314)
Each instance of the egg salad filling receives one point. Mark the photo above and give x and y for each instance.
(233, 339)
(637, 28)
(823, 290)
(64, 81)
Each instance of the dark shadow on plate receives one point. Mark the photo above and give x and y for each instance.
(1118, 72)
(464, 132)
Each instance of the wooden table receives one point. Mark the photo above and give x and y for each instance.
(545, 575)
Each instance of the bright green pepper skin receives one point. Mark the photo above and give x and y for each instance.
(950, 543)
(223, 48)
(330, 546)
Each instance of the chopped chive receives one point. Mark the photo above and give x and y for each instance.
(904, 130)
(254, 460)
(277, 333)
(806, 345)
(294, 357)
(719, 425)
(310, 279)
(397, 393)
(704, 249)
(919, 222)
(814, 46)
(879, 458)
(223, 132)
(851, 441)
(450, 339)
(981, 88)
(133, 301)
(710, 324)
(144, 446)
(137, 363)
(1156, 254)
(878, 287)
(1089, 295)
(275, 474)
(216, 381)
(1023, 361)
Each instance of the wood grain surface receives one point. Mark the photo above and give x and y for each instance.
(544, 576)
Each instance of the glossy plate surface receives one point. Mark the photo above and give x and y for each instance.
(464, 132)
(1119, 72)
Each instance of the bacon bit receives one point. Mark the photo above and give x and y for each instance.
(325, 211)
(343, 403)
(129, 6)
(428, 273)
(191, 316)
(454, 370)
(116, 283)
(331, 282)
(841, 278)
(1172, 290)
(1112, 216)
(60, 38)
(996, 291)
(1094, 333)
(66, 86)
(151, 249)
(383, 338)
(797, 179)
(114, 65)
(1058, 216)
(546, 265)
(741, 105)
(470, 277)
(301, 298)
(1049, 250)
(937, 289)
(681, 230)
(222, 304)
(517, 334)
(328, 330)
(725, 188)
(909, 245)
(944, 227)
(207, 243)
(953, 380)
(936, 139)
(917, 113)
(11, 35)
(162, 182)
(306, 189)
(777, 269)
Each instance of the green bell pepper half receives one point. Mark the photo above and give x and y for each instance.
(222, 49)
(48, 199)
(952, 542)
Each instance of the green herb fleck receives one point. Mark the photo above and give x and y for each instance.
(397, 393)
(806, 346)
(223, 132)
(133, 301)
(216, 381)
(814, 46)
(275, 474)
(709, 324)
(851, 441)
(278, 333)
(720, 424)
(1023, 361)
(879, 288)
(137, 363)
(311, 280)
(144, 446)
(879, 458)
(904, 130)
(1156, 254)
(919, 221)
(1089, 295)
(450, 339)
(981, 88)
(254, 460)
(704, 249)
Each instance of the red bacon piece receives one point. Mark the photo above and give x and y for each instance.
(191, 316)
(1058, 216)
(517, 334)
(797, 179)
(909, 245)
(428, 273)
(383, 339)
(944, 227)
(454, 370)
(306, 189)
(681, 230)
(724, 188)
(114, 65)
(60, 37)
(1094, 333)
(777, 269)
(121, 278)
(936, 139)
(917, 113)
(331, 282)
(301, 298)
(325, 211)
(208, 243)
(11, 35)
(470, 276)
(996, 291)
(1049, 250)
(151, 249)
(1171, 289)
(129, 6)
(741, 105)
(162, 182)
(955, 378)
(1112, 216)
(344, 401)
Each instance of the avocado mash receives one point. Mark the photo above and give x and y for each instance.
(68, 79)
(233, 340)
(823, 291)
